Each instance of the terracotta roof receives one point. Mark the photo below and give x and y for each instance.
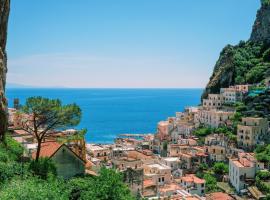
(47, 149)
(170, 187)
(148, 183)
(218, 196)
(191, 178)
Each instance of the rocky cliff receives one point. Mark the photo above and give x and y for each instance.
(247, 62)
(261, 27)
(4, 14)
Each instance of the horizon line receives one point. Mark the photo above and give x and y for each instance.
(104, 88)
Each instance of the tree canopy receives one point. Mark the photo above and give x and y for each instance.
(46, 116)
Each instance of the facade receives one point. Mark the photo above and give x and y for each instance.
(172, 162)
(125, 163)
(230, 95)
(242, 88)
(251, 132)
(216, 153)
(192, 184)
(213, 118)
(160, 174)
(100, 152)
(213, 101)
(242, 170)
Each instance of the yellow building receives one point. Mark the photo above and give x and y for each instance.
(252, 131)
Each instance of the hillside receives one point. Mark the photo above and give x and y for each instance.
(247, 62)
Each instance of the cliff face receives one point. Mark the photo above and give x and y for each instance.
(4, 14)
(261, 27)
(242, 63)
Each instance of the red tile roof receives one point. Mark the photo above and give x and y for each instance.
(218, 196)
(47, 149)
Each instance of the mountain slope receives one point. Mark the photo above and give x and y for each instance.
(247, 62)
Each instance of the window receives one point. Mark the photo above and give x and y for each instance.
(159, 180)
(162, 179)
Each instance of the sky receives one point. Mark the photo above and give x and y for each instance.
(122, 43)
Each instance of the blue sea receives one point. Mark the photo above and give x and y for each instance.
(109, 112)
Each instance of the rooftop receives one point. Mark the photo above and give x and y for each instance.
(218, 196)
(191, 178)
(159, 166)
(171, 159)
(48, 149)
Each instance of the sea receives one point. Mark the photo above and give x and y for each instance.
(106, 113)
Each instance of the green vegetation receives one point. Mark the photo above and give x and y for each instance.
(263, 182)
(107, 186)
(221, 168)
(245, 63)
(33, 188)
(37, 180)
(203, 131)
(42, 168)
(265, 2)
(258, 105)
(47, 115)
(263, 153)
(250, 61)
(211, 183)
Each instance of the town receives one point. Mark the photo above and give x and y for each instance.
(211, 151)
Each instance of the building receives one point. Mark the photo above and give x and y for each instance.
(213, 118)
(231, 95)
(192, 184)
(214, 101)
(216, 153)
(172, 162)
(125, 163)
(67, 163)
(101, 152)
(252, 131)
(242, 170)
(159, 173)
(242, 88)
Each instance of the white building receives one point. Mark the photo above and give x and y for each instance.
(213, 118)
(172, 162)
(230, 95)
(243, 169)
(193, 185)
(213, 101)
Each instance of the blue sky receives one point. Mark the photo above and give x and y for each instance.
(122, 43)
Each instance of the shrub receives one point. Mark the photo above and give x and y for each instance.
(43, 168)
(34, 189)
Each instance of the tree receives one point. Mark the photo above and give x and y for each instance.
(211, 182)
(46, 116)
(220, 168)
(108, 185)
